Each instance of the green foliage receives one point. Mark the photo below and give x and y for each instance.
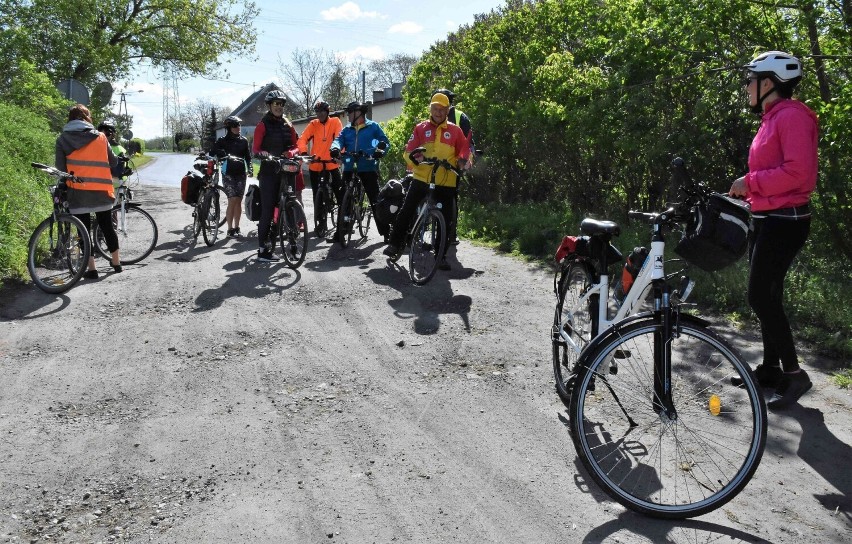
(24, 202)
(23, 85)
(102, 40)
(843, 379)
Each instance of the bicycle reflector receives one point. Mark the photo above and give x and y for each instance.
(715, 405)
(211, 165)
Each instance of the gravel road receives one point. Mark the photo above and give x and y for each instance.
(200, 396)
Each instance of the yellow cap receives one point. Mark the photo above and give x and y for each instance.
(440, 99)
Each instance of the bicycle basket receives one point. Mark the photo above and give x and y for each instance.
(716, 235)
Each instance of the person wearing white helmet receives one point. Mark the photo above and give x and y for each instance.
(782, 164)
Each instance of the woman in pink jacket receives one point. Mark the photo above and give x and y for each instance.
(782, 164)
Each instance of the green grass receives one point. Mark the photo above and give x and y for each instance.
(843, 378)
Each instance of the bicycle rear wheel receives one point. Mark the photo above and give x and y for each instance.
(575, 321)
(346, 219)
(293, 233)
(427, 246)
(137, 235)
(58, 253)
(210, 227)
(198, 215)
(321, 212)
(668, 467)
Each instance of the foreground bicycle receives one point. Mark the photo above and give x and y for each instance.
(653, 415)
(136, 229)
(355, 205)
(207, 216)
(427, 234)
(59, 248)
(289, 224)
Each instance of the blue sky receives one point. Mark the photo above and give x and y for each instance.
(369, 29)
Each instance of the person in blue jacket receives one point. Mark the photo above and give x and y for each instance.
(362, 134)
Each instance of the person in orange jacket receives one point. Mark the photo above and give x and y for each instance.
(85, 152)
(321, 132)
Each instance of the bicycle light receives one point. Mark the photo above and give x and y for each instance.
(290, 167)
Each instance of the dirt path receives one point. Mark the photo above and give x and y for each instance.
(202, 397)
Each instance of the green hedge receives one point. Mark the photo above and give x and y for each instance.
(24, 202)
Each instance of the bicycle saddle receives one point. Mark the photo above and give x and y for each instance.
(594, 226)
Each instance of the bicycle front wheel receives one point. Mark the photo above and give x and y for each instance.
(198, 216)
(663, 465)
(210, 226)
(346, 219)
(572, 326)
(137, 234)
(427, 246)
(293, 233)
(58, 253)
(365, 215)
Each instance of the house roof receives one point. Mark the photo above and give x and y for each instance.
(253, 108)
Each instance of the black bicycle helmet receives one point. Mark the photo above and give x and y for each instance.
(275, 95)
(446, 92)
(356, 106)
(233, 121)
(322, 106)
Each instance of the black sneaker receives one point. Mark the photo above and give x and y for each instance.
(266, 256)
(444, 265)
(230, 233)
(791, 388)
(768, 377)
(237, 233)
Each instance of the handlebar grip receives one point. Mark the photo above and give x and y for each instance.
(644, 216)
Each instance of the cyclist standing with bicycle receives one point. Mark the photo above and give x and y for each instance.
(83, 151)
(461, 119)
(321, 132)
(782, 165)
(362, 134)
(273, 137)
(443, 141)
(234, 176)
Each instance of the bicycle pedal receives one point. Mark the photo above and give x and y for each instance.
(613, 369)
(621, 354)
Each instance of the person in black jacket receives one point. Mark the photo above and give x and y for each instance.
(234, 171)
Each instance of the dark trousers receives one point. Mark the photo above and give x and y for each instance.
(773, 245)
(416, 193)
(104, 220)
(269, 188)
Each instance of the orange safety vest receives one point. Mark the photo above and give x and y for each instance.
(90, 163)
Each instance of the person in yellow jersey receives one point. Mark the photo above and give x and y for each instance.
(85, 152)
(441, 139)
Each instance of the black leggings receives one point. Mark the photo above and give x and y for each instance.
(335, 181)
(772, 247)
(269, 188)
(104, 220)
(416, 193)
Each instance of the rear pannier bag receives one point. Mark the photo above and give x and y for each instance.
(391, 198)
(252, 203)
(190, 186)
(717, 233)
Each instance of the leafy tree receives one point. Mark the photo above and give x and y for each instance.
(23, 85)
(101, 40)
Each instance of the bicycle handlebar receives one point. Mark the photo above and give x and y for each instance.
(53, 171)
(434, 162)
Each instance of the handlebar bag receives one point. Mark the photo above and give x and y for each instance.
(716, 235)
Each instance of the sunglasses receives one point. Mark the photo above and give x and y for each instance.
(747, 80)
(277, 103)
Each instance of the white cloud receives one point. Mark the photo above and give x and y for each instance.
(349, 11)
(405, 27)
(452, 25)
(369, 53)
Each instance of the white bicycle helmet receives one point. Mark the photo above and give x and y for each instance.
(781, 66)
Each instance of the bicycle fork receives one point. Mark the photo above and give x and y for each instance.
(663, 401)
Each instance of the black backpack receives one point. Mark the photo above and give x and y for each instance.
(252, 203)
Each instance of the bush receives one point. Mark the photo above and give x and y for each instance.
(24, 203)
